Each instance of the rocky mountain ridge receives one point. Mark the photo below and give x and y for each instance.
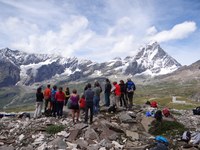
(151, 60)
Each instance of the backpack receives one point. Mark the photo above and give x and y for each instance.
(112, 109)
(158, 115)
(162, 139)
(186, 136)
(196, 111)
(166, 112)
(159, 146)
(130, 86)
(154, 104)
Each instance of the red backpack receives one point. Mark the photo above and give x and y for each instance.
(154, 104)
(166, 112)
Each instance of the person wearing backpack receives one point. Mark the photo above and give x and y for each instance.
(130, 86)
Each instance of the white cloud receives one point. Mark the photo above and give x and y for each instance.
(16, 29)
(92, 30)
(151, 31)
(179, 31)
(71, 36)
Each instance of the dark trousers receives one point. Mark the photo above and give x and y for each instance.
(47, 101)
(89, 106)
(54, 108)
(96, 107)
(107, 99)
(123, 100)
(60, 108)
(130, 98)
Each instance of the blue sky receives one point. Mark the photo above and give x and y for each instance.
(101, 29)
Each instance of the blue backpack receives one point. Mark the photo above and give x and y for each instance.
(161, 139)
(130, 86)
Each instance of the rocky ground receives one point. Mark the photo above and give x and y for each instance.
(110, 131)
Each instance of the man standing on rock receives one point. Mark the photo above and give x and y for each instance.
(47, 97)
(108, 87)
(89, 96)
(130, 86)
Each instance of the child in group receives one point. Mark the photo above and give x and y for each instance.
(82, 104)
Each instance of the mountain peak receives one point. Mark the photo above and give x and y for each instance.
(150, 60)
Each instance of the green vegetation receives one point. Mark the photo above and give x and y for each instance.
(163, 92)
(53, 129)
(20, 108)
(166, 128)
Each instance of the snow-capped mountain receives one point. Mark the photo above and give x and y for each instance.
(24, 68)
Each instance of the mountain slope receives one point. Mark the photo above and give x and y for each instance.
(151, 60)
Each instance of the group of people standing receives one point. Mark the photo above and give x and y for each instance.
(115, 94)
(54, 100)
(122, 93)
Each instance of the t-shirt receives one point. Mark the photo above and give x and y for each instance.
(60, 96)
(47, 93)
(82, 103)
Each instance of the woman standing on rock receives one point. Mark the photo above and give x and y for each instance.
(74, 105)
(39, 103)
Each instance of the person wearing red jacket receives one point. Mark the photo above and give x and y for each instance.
(60, 98)
(117, 92)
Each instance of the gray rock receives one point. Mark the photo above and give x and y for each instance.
(7, 148)
(105, 143)
(91, 134)
(73, 135)
(125, 118)
(58, 143)
(133, 135)
(146, 122)
(80, 126)
(82, 143)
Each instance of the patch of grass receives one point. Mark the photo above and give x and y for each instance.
(166, 128)
(20, 108)
(53, 129)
